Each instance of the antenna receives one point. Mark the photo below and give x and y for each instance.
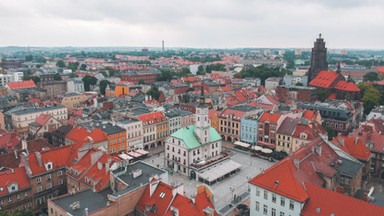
(162, 44)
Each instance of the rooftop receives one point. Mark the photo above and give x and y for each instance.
(187, 135)
(39, 109)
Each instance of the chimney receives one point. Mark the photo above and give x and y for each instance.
(24, 162)
(38, 158)
(99, 165)
(95, 156)
(24, 144)
(146, 97)
(153, 182)
(107, 164)
(356, 140)
(318, 149)
(296, 163)
(86, 212)
(16, 156)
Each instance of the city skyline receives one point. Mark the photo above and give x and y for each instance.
(202, 24)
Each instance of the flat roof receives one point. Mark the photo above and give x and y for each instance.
(219, 170)
(87, 199)
(40, 109)
(134, 183)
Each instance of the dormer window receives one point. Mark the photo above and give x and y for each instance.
(13, 187)
(48, 166)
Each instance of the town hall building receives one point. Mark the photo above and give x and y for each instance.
(193, 149)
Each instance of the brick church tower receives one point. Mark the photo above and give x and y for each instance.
(318, 59)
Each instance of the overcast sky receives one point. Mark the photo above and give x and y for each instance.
(192, 23)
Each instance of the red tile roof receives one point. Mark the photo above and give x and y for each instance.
(232, 100)
(280, 179)
(353, 146)
(236, 114)
(270, 117)
(261, 105)
(9, 140)
(325, 202)
(42, 119)
(152, 118)
(367, 134)
(161, 203)
(78, 135)
(15, 176)
(60, 157)
(21, 85)
(347, 86)
(324, 79)
(309, 114)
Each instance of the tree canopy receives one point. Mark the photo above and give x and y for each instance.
(83, 67)
(57, 76)
(371, 96)
(35, 79)
(154, 92)
(60, 64)
(103, 86)
(88, 82)
(371, 76)
(215, 67)
(263, 72)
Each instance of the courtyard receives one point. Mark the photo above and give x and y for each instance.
(225, 190)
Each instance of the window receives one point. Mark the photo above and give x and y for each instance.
(265, 194)
(26, 194)
(39, 189)
(257, 206)
(49, 185)
(282, 201)
(273, 212)
(265, 209)
(9, 199)
(281, 213)
(60, 173)
(38, 180)
(48, 177)
(274, 198)
(18, 196)
(291, 205)
(257, 192)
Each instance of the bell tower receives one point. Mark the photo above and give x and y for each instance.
(202, 125)
(318, 58)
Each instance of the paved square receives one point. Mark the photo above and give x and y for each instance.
(251, 167)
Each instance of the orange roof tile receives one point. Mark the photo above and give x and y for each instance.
(161, 203)
(21, 84)
(270, 117)
(79, 134)
(326, 202)
(353, 146)
(152, 118)
(280, 179)
(347, 86)
(324, 79)
(9, 177)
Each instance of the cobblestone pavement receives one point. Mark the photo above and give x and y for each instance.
(251, 167)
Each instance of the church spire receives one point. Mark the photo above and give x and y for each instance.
(338, 69)
(202, 96)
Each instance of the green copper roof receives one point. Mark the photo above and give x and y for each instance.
(187, 135)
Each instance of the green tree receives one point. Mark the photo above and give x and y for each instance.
(263, 72)
(331, 133)
(185, 72)
(60, 64)
(57, 76)
(16, 213)
(200, 70)
(35, 79)
(141, 82)
(154, 92)
(88, 82)
(371, 96)
(371, 76)
(29, 58)
(166, 75)
(322, 94)
(72, 75)
(103, 86)
(73, 66)
(83, 67)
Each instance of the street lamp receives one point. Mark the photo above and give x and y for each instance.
(232, 190)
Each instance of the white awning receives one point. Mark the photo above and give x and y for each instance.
(257, 148)
(141, 151)
(125, 156)
(219, 170)
(266, 151)
(245, 145)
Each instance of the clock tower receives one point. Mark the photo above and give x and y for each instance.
(202, 126)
